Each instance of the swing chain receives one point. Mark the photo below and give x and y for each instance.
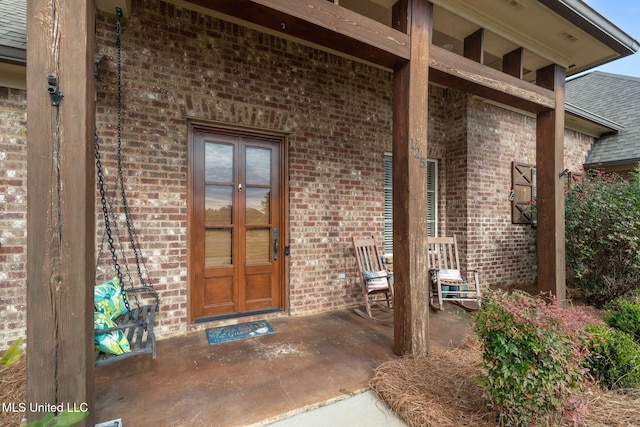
(125, 203)
(119, 84)
(105, 213)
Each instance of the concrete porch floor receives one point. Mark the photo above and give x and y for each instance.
(307, 362)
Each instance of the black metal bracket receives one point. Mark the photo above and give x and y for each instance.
(54, 90)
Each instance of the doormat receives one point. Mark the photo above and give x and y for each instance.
(238, 332)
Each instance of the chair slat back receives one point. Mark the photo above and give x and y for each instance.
(367, 255)
(443, 253)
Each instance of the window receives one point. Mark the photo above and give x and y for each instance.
(432, 201)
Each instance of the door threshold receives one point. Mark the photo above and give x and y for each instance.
(237, 315)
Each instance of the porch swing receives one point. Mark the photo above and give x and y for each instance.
(131, 320)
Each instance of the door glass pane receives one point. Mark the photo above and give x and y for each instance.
(218, 202)
(258, 244)
(218, 162)
(258, 166)
(217, 247)
(258, 203)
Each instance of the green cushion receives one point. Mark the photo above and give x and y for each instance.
(113, 342)
(108, 299)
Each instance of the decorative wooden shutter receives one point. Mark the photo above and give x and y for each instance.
(523, 193)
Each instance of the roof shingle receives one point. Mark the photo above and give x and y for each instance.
(617, 98)
(13, 24)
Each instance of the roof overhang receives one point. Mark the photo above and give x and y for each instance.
(596, 25)
(13, 55)
(584, 121)
(564, 32)
(615, 166)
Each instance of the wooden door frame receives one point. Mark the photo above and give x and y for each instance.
(213, 127)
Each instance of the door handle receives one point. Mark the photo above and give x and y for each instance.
(276, 244)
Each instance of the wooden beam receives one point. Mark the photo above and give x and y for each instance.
(513, 63)
(474, 46)
(400, 16)
(550, 187)
(322, 23)
(410, 118)
(457, 72)
(61, 199)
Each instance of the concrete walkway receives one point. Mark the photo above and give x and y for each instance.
(360, 410)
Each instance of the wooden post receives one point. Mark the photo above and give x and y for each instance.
(61, 200)
(550, 188)
(474, 46)
(410, 109)
(512, 63)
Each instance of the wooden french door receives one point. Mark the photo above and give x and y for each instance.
(236, 229)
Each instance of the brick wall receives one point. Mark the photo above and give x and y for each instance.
(13, 214)
(576, 148)
(505, 253)
(455, 189)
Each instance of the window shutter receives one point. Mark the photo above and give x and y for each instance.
(432, 201)
(388, 204)
(523, 193)
(432, 198)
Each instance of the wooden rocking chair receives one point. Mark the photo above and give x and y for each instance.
(374, 278)
(447, 283)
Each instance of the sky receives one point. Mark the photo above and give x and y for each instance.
(625, 14)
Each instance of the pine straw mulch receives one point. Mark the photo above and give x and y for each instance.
(13, 390)
(439, 390)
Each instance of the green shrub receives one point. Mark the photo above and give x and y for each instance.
(532, 355)
(602, 220)
(613, 359)
(625, 316)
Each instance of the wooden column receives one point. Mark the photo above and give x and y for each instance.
(411, 97)
(61, 199)
(550, 188)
